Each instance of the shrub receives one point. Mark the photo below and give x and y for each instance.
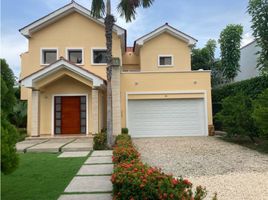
(124, 150)
(124, 130)
(122, 138)
(134, 180)
(236, 116)
(260, 113)
(9, 157)
(100, 141)
(251, 87)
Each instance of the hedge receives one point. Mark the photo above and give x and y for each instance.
(137, 181)
(251, 87)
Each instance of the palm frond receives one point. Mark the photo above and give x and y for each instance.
(147, 3)
(97, 8)
(127, 8)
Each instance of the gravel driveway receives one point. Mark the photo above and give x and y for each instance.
(233, 171)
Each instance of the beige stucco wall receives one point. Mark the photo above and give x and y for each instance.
(131, 61)
(165, 81)
(72, 31)
(165, 44)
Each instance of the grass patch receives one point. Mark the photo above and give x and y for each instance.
(260, 146)
(40, 176)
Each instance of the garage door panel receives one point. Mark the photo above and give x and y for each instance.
(166, 117)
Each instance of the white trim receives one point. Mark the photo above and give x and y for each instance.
(30, 80)
(166, 55)
(64, 95)
(170, 30)
(204, 92)
(181, 71)
(171, 92)
(67, 49)
(92, 55)
(63, 11)
(42, 49)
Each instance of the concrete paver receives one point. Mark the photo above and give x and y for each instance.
(52, 145)
(81, 144)
(85, 197)
(24, 145)
(71, 154)
(90, 184)
(96, 169)
(99, 160)
(102, 153)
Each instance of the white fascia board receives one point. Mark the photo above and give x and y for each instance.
(29, 81)
(61, 12)
(171, 31)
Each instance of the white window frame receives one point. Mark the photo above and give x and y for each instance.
(92, 55)
(75, 48)
(172, 60)
(48, 48)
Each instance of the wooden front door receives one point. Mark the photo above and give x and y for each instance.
(70, 115)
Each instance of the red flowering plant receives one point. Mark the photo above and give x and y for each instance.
(134, 180)
(124, 150)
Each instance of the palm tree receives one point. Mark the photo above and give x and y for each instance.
(126, 9)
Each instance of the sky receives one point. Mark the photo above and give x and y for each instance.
(202, 19)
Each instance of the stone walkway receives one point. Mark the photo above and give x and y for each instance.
(55, 145)
(92, 182)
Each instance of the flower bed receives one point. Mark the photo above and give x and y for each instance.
(134, 180)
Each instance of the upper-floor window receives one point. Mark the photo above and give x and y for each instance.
(48, 56)
(165, 60)
(99, 56)
(75, 55)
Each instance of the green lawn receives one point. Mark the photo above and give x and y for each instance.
(40, 176)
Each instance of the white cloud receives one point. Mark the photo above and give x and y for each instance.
(11, 48)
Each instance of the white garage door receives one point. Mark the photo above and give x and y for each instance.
(174, 117)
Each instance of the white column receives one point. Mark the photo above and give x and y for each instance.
(95, 110)
(116, 100)
(35, 114)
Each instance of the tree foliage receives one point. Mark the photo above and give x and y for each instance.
(9, 134)
(18, 117)
(230, 41)
(8, 98)
(236, 116)
(204, 58)
(260, 113)
(9, 157)
(251, 87)
(258, 9)
(217, 77)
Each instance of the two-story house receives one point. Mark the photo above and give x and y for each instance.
(155, 93)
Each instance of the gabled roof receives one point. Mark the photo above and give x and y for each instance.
(165, 28)
(63, 11)
(62, 63)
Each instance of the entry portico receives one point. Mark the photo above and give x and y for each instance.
(65, 99)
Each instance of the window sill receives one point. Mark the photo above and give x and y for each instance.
(165, 66)
(44, 65)
(99, 64)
